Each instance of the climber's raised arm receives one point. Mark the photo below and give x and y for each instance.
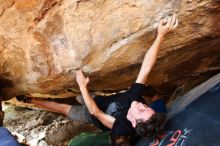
(151, 55)
(82, 81)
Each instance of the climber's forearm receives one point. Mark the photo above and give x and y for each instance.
(151, 55)
(90, 103)
(149, 60)
(105, 119)
(82, 81)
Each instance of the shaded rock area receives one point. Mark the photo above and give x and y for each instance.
(43, 42)
(39, 128)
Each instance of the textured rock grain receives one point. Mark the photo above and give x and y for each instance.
(43, 42)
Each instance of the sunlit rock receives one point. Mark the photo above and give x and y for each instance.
(43, 43)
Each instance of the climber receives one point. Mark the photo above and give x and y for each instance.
(125, 113)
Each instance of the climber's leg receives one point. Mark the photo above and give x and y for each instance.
(47, 105)
(73, 112)
(52, 106)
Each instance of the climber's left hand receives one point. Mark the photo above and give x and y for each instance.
(81, 79)
(166, 26)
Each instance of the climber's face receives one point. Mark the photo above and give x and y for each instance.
(139, 112)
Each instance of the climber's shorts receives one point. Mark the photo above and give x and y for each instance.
(80, 113)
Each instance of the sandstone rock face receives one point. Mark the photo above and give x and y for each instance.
(43, 43)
